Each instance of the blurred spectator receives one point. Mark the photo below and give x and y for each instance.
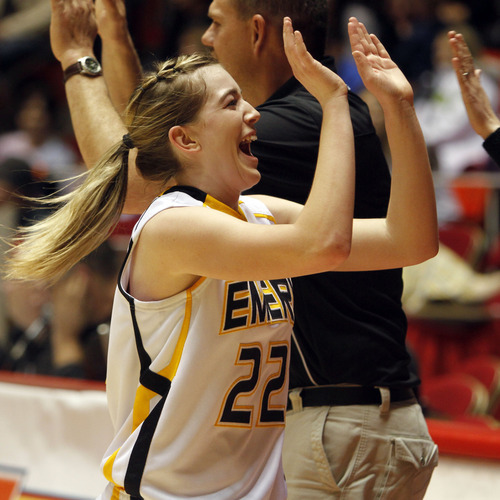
(27, 310)
(190, 37)
(165, 28)
(18, 182)
(338, 39)
(24, 26)
(410, 28)
(485, 17)
(447, 280)
(23, 18)
(192, 21)
(35, 138)
(63, 330)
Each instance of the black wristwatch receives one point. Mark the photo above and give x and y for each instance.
(87, 66)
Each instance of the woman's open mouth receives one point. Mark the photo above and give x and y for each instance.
(245, 144)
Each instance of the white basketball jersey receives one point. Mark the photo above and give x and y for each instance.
(197, 383)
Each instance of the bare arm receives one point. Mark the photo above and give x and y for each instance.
(409, 233)
(121, 64)
(482, 118)
(335, 165)
(73, 31)
(96, 123)
(182, 244)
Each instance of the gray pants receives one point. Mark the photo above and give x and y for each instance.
(358, 452)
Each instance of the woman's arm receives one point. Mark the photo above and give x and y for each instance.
(188, 242)
(409, 234)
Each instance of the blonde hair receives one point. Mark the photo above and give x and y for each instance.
(171, 95)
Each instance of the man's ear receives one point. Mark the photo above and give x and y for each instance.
(259, 33)
(182, 140)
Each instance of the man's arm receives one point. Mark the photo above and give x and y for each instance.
(96, 123)
(121, 64)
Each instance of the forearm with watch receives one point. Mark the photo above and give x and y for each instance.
(96, 123)
(98, 127)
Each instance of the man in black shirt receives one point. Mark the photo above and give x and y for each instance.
(352, 407)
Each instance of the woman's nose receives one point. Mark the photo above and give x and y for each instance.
(252, 115)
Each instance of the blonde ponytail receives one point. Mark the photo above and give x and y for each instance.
(171, 95)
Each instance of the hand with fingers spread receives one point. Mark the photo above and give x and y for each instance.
(482, 118)
(320, 81)
(380, 74)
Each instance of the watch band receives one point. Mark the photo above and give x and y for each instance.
(87, 66)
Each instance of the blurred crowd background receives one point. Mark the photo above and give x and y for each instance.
(453, 302)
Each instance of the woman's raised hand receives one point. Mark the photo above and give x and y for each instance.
(321, 82)
(380, 74)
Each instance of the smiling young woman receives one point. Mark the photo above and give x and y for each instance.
(201, 325)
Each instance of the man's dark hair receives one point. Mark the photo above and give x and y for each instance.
(308, 16)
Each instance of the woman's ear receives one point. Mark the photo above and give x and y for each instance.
(180, 138)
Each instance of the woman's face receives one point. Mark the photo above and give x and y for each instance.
(224, 130)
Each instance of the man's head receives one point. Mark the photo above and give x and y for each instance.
(246, 38)
(308, 16)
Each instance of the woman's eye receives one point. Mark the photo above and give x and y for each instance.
(234, 102)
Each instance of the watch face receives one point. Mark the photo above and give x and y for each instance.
(91, 65)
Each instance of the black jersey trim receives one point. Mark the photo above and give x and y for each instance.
(152, 381)
(195, 193)
(139, 454)
(148, 378)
